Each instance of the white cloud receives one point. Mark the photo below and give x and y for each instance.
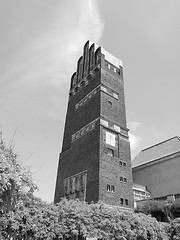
(36, 65)
(48, 57)
(133, 126)
(134, 137)
(134, 141)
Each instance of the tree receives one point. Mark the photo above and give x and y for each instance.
(15, 179)
(161, 210)
(175, 208)
(26, 217)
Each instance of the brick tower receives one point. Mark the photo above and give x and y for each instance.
(95, 162)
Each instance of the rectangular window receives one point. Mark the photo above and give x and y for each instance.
(110, 152)
(121, 201)
(108, 188)
(126, 202)
(112, 188)
(125, 180)
(110, 138)
(176, 196)
(120, 163)
(124, 164)
(121, 179)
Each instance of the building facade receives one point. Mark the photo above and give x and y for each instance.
(140, 192)
(158, 168)
(95, 161)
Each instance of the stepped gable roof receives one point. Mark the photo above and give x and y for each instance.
(157, 151)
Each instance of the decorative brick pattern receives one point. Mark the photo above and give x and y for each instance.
(87, 97)
(84, 130)
(110, 92)
(75, 186)
(98, 87)
(111, 127)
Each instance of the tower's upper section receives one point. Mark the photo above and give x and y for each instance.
(91, 62)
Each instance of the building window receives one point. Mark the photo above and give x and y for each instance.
(126, 202)
(112, 188)
(109, 66)
(108, 188)
(110, 152)
(121, 179)
(110, 138)
(177, 196)
(124, 164)
(121, 201)
(115, 70)
(125, 180)
(120, 163)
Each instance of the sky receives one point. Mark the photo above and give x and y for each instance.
(40, 43)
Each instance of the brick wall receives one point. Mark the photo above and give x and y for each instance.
(100, 95)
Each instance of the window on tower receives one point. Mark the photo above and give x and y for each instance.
(110, 138)
(112, 188)
(110, 152)
(126, 202)
(108, 188)
(121, 179)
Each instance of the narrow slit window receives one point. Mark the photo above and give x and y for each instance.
(120, 163)
(108, 188)
(112, 188)
(121, 201)
(124, 164)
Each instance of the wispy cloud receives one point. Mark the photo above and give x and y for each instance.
(134, 141)
(134, 137)
(40, 45)
(134, 125)
(48, 57)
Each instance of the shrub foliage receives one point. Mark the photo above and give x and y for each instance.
(23, 216)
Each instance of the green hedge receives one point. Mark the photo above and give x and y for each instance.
(35, 219)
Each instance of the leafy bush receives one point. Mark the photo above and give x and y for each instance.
(174, 229)
(24, 216)
(40, 220)
(15, 179)
(162, 210)
(175, 208)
